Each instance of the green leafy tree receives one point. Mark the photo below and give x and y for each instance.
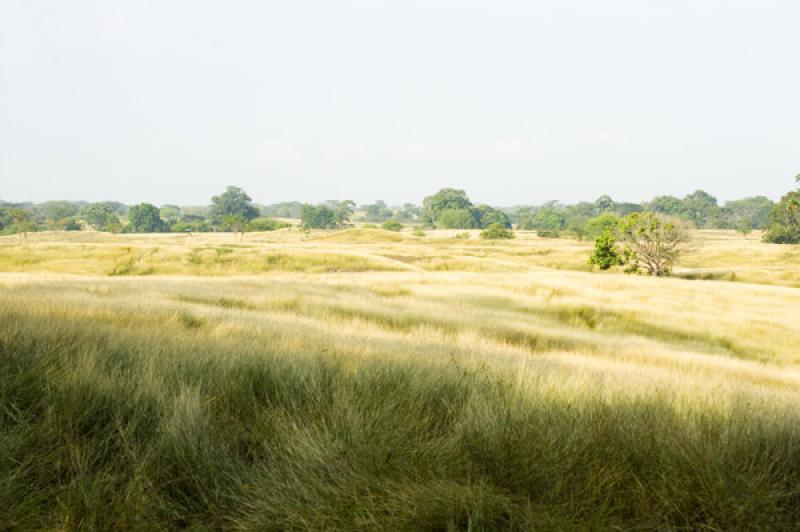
(58, 213)
(547, 220)
(448, 199)
(606, 253)
(234, 202)
(318, 217)
(145, 218)
(101, 217)
(456, 219)
(282, 210)
(666, 205)
(700, 207)
(23, 222)
(489, 215)
(601, 224)
(191, 223)
(170, 214)
(604, 204)
(408, 212)
(652, 242)
(234, 223)
(496, 231)
(342, 210)
(784, 220)
(377, 212)
(747, 211)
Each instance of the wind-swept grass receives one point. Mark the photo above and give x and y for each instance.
(397, 401)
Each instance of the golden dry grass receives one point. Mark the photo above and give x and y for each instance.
(705, 368)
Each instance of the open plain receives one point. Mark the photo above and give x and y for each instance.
(366, 379)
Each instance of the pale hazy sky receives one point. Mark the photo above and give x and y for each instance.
(513, 101)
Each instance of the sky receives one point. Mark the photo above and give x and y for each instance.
(516, 102)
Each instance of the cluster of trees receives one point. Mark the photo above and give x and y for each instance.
(784, 220)
(234, 210)
(381, 212)
(328, 215)
(451, 209)
(698, 208)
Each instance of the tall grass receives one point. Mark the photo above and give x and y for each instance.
(719, 255)
(396, 401)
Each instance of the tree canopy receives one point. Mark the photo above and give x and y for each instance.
(784, 219)
(233, 203)
(145, 218)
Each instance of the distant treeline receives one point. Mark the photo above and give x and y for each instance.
(234, 210)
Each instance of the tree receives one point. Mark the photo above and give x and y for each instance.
(318, 217)
(549, 220)
(447, 199)
(666, 205)
(342, 210)
(700, 207)
(606, 254)
(23, 222)
(497, 232)
(282, 210)
(784, 220)
(57, 213)
(377, 212)
(652, 242)
(489, 215)
(145, 218)
(599, 225)
(604, 204)
(752, 211)
(170, 214)
(408, 212)
(101, 217)
(456, 219)
(233, 202)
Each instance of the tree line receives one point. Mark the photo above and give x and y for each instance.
(233, 210)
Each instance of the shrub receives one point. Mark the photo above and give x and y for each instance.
(548, 233)
(392, 225)
(265, 224)
(605, 253)
(496, 232)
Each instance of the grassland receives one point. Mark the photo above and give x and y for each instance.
(365, 380)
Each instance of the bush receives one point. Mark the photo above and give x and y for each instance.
(462, 236)
(496, 232)
(392, 225)
(369, 226)
(548, 233)
(265, 224)
(418, 232)
(605, 253)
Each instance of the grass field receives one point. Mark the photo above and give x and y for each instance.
(367, 380)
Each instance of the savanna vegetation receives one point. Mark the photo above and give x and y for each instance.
(320, 374)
